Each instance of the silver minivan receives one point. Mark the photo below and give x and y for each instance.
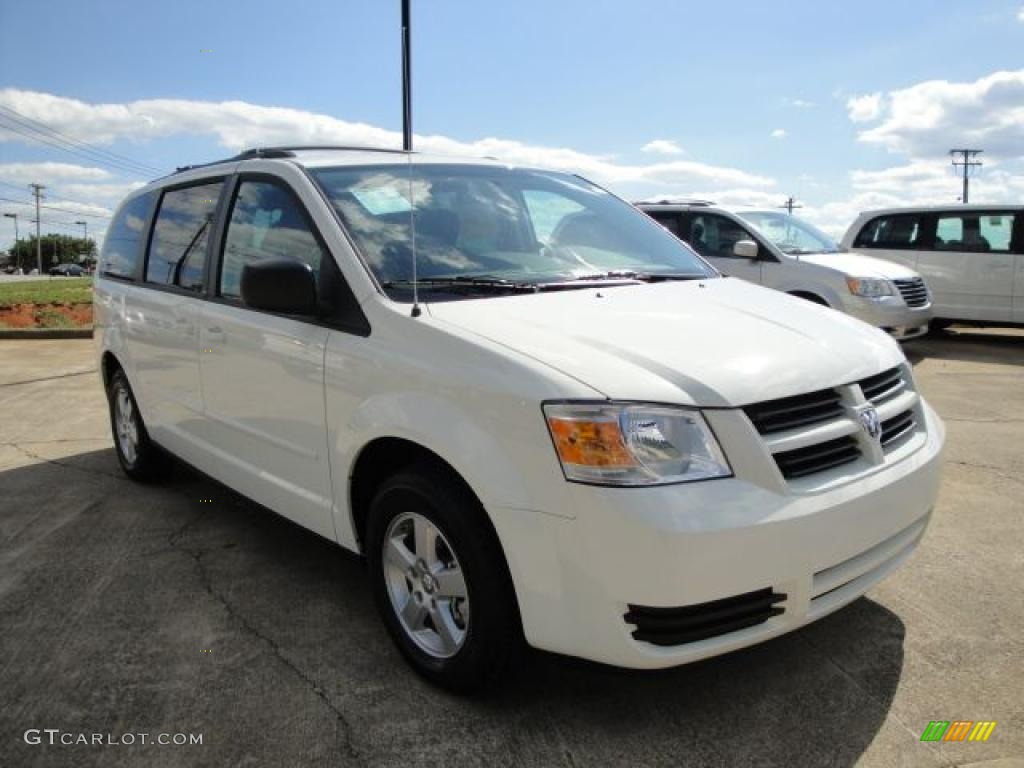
(780, 251)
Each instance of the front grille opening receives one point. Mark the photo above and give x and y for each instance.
(913, 291)
(688, 624)
(818, 457)
(897, 427)
(797, 411)
(882, 386)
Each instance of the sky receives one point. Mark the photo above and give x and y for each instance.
(845, 106)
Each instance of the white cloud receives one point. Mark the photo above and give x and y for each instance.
(662, 147)
(779, 133)
(1020, 14)
(50, 172)
(238, 124)
(864, 108)
(928, 118)
(800, 103)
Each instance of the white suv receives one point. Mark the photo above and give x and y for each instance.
(535, 412)
(971, 255)
(780, 251)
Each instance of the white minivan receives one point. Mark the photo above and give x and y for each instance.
(537, 414)
(971, 255)
(780, 251)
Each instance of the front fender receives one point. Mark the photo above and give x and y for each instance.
(496, 471)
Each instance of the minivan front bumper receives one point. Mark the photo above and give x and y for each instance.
(892, 315)
(589, 586)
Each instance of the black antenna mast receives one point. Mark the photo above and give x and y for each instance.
(406, 77)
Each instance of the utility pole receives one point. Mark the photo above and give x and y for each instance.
(406, 77)
(790, 204)
(85, 235)
(967, 162)
(16, 243)
(37, 190)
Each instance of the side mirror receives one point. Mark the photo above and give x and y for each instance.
(745, 249)
(279, 285)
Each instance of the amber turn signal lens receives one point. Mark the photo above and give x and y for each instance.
(590, 443)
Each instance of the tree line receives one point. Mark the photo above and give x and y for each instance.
(57, 249)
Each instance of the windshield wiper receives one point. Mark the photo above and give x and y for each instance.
(629, 274)
(466, 283)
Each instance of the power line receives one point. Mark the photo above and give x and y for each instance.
(967, 163)
(55, 138)
(55, 208)
(75, 153)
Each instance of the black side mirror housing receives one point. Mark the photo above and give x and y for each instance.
(286, 286)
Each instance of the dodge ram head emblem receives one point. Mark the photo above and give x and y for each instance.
(870, 423)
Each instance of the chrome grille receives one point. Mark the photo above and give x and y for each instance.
(898, 426)
(818, 431)
(913, 290)
(882, 386)
(817, 457)
(791, 412)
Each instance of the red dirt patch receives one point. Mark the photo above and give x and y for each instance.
(46, 316)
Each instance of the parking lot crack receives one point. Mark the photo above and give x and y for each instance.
(247, 626)
(20, 447)
(998, 471)
(48, 378)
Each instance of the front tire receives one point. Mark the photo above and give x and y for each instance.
(139, 457)
(440, 581)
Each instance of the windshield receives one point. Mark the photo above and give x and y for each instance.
(790, 234)
(499, 224)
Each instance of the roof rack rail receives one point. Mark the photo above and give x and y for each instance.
(676, 201)
(275, 153)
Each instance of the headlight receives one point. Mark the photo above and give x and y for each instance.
(870, 287)
(628, 444)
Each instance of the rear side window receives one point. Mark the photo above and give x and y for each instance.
(267, 221)
(974, 232)
(177, 252)
(900, 231)
(120, 255)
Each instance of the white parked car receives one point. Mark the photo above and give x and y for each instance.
(579, 434)
(972, 256)
(780, 251)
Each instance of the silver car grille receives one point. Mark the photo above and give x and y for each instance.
(913, 290)
(810, 434)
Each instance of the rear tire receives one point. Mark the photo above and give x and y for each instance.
(440, 580)
(139, 456)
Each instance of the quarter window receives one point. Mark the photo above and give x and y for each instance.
(669, 220)
(177, 252)
(974, 232)
(267, 222)
(120, 255)
(891, 232)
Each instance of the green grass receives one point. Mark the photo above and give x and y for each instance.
(64, 290)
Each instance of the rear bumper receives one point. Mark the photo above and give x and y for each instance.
(687, 545)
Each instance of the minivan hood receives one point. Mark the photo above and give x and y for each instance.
(718, 342)
(858, 265)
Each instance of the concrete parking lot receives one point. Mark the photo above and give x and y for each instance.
(182, 608)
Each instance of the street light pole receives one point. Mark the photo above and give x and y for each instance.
(16, 239)
(85, 235)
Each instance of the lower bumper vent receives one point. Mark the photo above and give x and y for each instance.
(676, 626)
